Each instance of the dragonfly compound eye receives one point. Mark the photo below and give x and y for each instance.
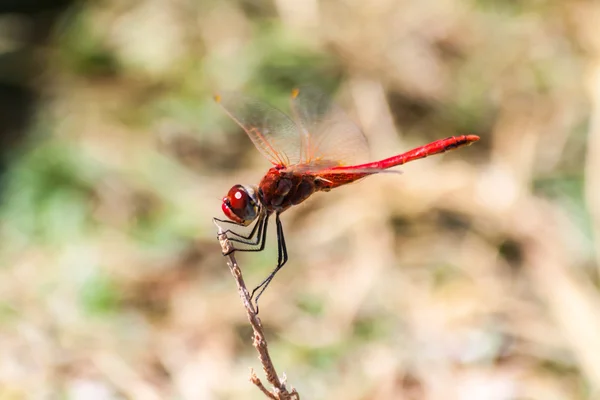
(240, 204)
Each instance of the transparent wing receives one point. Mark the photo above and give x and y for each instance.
(328, 135)
(273, 133)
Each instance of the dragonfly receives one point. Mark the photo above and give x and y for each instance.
(316, 148)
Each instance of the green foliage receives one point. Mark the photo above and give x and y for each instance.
(319, 357)
(287, 62)
(371, 328)
(99, 294)
(311, 304)
(49, 192)
(82, 49)
(509, 7)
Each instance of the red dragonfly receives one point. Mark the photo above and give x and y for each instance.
(317, 149)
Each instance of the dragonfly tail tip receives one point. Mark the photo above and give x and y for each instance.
(472, 138)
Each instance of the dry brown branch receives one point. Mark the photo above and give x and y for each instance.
(280, 392)
(254, 379)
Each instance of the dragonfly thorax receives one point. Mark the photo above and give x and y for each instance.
(241, 204)
(282, 188)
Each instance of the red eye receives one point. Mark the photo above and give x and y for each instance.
(238, 198)
(240, 205)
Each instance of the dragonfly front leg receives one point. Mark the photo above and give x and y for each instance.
(247, 237)
(282, 257)
(257, 236)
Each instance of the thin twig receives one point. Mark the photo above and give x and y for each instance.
(259, 341)
(254, 379)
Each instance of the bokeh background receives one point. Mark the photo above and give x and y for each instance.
(472, 276)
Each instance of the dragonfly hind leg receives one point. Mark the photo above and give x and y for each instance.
(282, 257)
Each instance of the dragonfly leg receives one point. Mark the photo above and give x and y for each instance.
(259, 240)
(231, 231)
(251, 239)
(256, 237)
(282, 257)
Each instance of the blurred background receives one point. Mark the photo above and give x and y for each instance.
(474, 275)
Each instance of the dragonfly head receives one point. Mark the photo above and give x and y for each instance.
(241, 204)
